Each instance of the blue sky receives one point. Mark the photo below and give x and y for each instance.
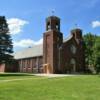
(26, 18)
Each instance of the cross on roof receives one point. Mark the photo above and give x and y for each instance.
(76, 25)
(53, 12)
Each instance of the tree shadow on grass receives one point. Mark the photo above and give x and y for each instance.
(14, 74)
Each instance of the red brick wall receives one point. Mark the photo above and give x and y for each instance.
(2, 67)
(11, 67)
(78, 56)
(31, 65)
(52, 41)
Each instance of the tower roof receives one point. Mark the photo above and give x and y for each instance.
(52, 23)
(53, 17)
(76, 29)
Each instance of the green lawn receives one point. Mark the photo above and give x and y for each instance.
(83, 87)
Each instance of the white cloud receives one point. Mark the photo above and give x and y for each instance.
(95, 24)
(15, 25)
(27, 43)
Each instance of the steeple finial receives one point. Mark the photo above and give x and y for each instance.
(53, 12)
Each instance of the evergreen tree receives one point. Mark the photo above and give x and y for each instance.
(6, 47)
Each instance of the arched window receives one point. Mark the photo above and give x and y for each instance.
(48, 26)
(57, 26)
(73, 49)
(73, 64)
(72, 61)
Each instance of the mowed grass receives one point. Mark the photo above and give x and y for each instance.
(82, 87)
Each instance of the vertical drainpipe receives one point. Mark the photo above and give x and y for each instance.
(37, 64)
(21, 66)
(60, 48)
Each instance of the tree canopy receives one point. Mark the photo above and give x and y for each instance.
(92, 51)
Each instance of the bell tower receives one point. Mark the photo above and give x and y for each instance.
(52, 46)
(52, 23)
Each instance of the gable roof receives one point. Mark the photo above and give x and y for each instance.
(34, 51)
(67, 39)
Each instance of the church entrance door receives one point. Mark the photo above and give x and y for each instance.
(73, 65)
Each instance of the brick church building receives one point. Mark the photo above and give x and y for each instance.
(55, 55)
